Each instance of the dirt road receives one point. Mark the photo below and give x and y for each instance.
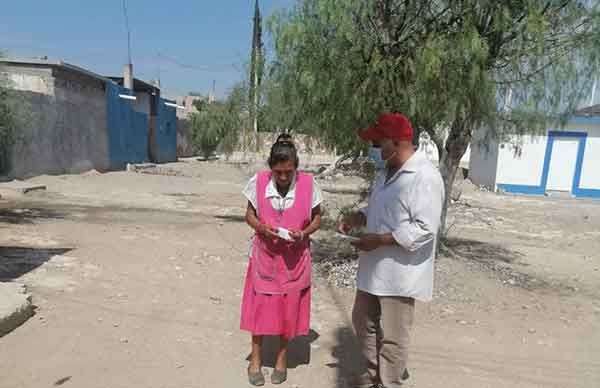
(137, 280)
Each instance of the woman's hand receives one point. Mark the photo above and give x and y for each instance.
(297, 235)
(266, 230)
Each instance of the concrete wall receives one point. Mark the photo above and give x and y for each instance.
(143, 103)
(184, 138)
(184, 129)
(565, 159)
(62, 125)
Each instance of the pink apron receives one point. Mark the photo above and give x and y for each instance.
(277, 291)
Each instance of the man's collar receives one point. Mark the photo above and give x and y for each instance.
(411, 165)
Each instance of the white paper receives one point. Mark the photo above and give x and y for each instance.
(284, 234)
(346, 237)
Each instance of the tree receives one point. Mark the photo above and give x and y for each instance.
(448, 65)
(218, 125)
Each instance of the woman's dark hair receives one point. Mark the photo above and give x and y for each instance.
(284, 137)
(283, 150)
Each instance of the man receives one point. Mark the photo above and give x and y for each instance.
(397, 252)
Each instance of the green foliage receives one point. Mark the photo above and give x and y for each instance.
(448, 65)
(342, 62)
(218, 125)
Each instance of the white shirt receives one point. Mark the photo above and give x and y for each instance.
(409, 206)
(277, 201)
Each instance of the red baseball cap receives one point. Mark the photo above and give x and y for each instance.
(393, 126)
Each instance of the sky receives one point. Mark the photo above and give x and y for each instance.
(188, 44)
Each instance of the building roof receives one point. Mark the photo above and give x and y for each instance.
(593, 110)
(139, 85)
(52, 64)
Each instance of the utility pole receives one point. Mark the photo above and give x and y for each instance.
(128, 69)
(256, 68)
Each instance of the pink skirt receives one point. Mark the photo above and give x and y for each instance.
(286, 315)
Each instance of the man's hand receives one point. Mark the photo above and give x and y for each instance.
(369, 242)
(344, 227)
(350, 221)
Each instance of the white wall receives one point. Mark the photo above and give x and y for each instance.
(590, 172)
(521, 162)
(483, 161)
(524, 165)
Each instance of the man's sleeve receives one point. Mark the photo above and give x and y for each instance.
(425, 208)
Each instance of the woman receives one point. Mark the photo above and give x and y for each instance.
(276, 297)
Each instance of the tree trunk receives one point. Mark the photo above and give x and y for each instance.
(330, 170)
(450, 156)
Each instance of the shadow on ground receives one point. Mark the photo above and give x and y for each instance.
(482, 251)
(28, 215)
(347, 354)
(231, 218)
(298, 350)
(502, 264)
(17, 261)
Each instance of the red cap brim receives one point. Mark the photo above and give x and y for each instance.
(370, 134)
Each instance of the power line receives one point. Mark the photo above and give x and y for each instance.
(213, 68)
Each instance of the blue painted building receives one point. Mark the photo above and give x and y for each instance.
(563, 160)
(157, 142)
(81, 120)
(128, 129)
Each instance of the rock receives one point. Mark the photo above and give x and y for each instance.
(448, 311)
(124, 340)
(15, 306)
(532, 330)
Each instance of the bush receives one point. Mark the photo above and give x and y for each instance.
(216, 126)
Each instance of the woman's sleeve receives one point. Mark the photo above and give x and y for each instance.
(250, 191)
